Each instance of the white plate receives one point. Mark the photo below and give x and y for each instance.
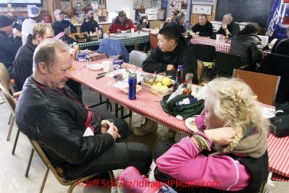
(95, 66)
(188, 123)
(125, 88)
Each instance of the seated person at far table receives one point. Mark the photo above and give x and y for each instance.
(172, 17)
(231, 124)
(60, 24)
(172, 50)
(204, 27)
(74, 137)
(247, 45)
(22, 65)
(282, 46)
(144, 25)
(229, 27)
(89, 24)
(178, 23)
(122, 23)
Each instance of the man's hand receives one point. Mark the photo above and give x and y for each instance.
(197, 33)
(105, 124)
(128, 31)
(170, 67)
(118, 30)
(169, 19)
(18, 33)
(145, 21)
(221, 136)
(224, 25)
(113, 131)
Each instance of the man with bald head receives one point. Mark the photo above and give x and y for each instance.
(229, 27)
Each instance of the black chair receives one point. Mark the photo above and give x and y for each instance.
(205, 53)
(276, 64)
(225, 64)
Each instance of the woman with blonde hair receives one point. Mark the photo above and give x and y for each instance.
(231, 124)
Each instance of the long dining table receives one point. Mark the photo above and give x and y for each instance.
(219, 45)
(128, 39)
(148, 105)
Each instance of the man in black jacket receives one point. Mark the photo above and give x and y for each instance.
(8, 48)
(22, 64)
(73, 136)
(60, 24)
(229, 27)
(89, 24)
(282, 46)
(204, 27)
(172, 50)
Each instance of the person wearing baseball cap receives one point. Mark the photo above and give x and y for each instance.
(28, 24)
(60, 24)
(8, 48)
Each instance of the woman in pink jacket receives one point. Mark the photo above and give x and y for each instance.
(229, 154)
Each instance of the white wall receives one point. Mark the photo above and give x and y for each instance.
(117, 5)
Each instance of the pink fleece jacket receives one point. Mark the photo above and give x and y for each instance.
(184, 162)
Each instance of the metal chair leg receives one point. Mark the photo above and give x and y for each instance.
(44, 180)
(29, 163)
(15, 142)
(9, 120)
(11, 127)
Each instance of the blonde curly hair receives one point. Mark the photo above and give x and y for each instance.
(232, 101)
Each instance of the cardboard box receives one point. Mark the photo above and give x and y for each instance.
(153, 17)
(161, 14)
(151, 11)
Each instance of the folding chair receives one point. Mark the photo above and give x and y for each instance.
(225, 64)
(11, 102)
(58, 172)
(7, 83)
(265, 86)
(205, 53)
(137, 57)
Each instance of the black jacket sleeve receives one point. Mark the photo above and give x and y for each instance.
(10, 46)
(208, 30)
(154, 62)
(189, 62)
(58, 125)
(234, 29)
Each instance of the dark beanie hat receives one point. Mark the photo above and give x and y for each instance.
(5, 21)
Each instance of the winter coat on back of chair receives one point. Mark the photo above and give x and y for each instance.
(113, 47)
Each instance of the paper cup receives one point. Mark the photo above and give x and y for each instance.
(218, 37)
(132, 30)
(106, 66)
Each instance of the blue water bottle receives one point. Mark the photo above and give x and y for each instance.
(132, 86)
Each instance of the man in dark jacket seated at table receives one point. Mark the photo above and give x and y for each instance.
(72, 136)
(229, 27)
(172, 50)
(89, 24)
(204, 27)
(60, 24)
(22, 65)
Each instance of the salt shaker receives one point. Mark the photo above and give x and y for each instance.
(132, 86)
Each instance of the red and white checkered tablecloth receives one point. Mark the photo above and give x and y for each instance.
(220, 46)
(279, 178)
(148, 105)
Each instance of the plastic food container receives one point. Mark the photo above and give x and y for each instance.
(117, 64)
